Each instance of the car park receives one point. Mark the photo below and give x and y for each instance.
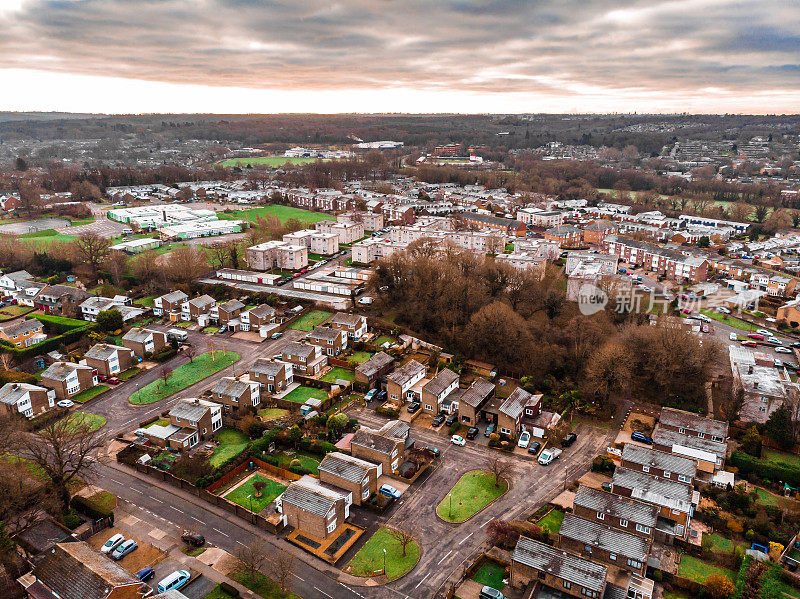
(195, 539)
(569, 440)
(472, 432)
(451, 419)
(534, 447)
(524, 439)
(175, 580)
(641, 437)
(65, 403)
(413, 407)
(124, 549)
(549, 455)
(489, 429)
(390, 491)
(112, 543)
(145, 574)
(438, 420)
(458, 440)
(733, 337)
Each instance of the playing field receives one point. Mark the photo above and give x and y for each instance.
(282, 212)
(272, 161)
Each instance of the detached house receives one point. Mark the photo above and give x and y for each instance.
(92, 306)
(385, 446)
(271, 376)
(400, 382)
(27, 292)
(228, 313)
(11, 281)
(255, 318)
(305, 358)
(350, 473)
(26, 399)
(24, 333)
(516, 406)
(235, 393)
(316, 509)
(144, 342)
(473, 400)
(332, 341)
(437, 389)
(198, 309)
(170, 305)
(68, 379)
(109, 360)
(374, 369)
(605, 544)
(197, 418)
(353, 324)
(60, 300)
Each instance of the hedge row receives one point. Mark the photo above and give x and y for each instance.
(765, 470)
(48, 344)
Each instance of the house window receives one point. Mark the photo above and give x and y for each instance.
(643, 529)
(505, 431)
(429, 408)
(683, 478)
(394, 396)
(645, 468)
(682, 431)
(612, 556)
(634, 564)
(701, 435)
(623, 523)
(667, 474)
(717, 439)
(332, 526)
(567, 584)
(601, 516)
(365, 494)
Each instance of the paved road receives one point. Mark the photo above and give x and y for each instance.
(30, 226)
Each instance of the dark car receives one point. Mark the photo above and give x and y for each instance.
(606, 487)
(569, 440)
(195, 539)
(145, 574)
(451, 419)
(438, 420)
(641, 437)
(381, 397)
(534, 447)
(413, 407)
(436, 453)
(472, 432)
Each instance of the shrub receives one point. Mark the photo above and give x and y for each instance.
(164, 354)
(453, 429)
(228, 589)
(735, 526)
(761, 469)
(603, 463)
(719, 586)
(388, 412)
(72, 519)
(94, 507)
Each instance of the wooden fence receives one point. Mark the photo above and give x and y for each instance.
(277, 471)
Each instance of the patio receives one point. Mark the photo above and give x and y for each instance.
(330, 549)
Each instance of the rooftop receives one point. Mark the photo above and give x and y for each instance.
(477, 393)
(655, 490)
(440, 382)
(346, 467)
(375, 364)
(617, 506)
(560, 564)
(669, 462)
(605, 537)
(694, 422)
(406, 372)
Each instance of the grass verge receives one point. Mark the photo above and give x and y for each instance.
(473, 492)
(370, 558)
(184, 376)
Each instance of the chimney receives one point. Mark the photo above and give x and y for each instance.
(755, 385)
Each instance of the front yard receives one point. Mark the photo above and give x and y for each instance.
(302, 394)
(338, 372)
(88, 394)
(473, 492)
(552, 521)
(490, 574)
(370, 558)
(85, 419)
(184, 376)
(307, 322)
(231, 443)
(245, 494)
(697, 570)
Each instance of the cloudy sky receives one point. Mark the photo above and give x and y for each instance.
(232, 56)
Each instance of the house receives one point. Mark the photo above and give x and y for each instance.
(144, 342)
(234, 393)
(75, 570)
(23, 333)
(790, 311)
(400, 382)
(564, 235)
(693, 425)
(596, 232)
(197, 418)
(169, 304)
(672, 264)
(60, 300)
(348, 232)
(674, 499)
(277, 254)
(332, 341)
(385, 446)
(225, 313)
(437, 389)
(316, 509)
(27, 292)
(624, 513)
(473, 400)
(109, 360)
(255, 318)
(26, 399)
(350, 473)
(92, 306)
(271, 376)
(353, 324)
(10, 282)
(510, 413)
(68, 379)
(659, 463)
(710, 455)
(374, 369)
(198, 309)
(604, 544)
(566, 572)
(503, 226)
(305, 358)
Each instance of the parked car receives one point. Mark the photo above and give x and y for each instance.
(641, 437)
(777, 363)
(773, 340)
(112, 543)
(304, 271)
(276, 335)
(174, 581)
(435, 451)
(124, 549)
(795, 344)
(749, 343)
(723, 310)
(295, 275)
(606, 487)
(756, 336)
(370, 394)
(548, 455)
(438, 420)
(783, 350)
(65, 403)
(112, 380)
(381, 396)
(145, 574)
(489, 429)
(524, 439)
(413, 407)
(490, 593)
(703, 317)
(733, 337)
(458, 440)
(451, 419)
(472, 432)
(534, 447)
(569, 440)
(390, 491)
(343, 253)
(705, 328)
(195, 539)
(103, 378)
(764, 332)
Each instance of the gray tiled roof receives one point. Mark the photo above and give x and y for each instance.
(406, 372)
(694, 422)
(560, 564)
(188, 410)
(345, 466)
(59, 371)
(373, 440)
(668, 462)
(11, 393)
(615, 505)
(308, 500)
(662, 436)
(440, 382)
(477, 392)
(346, 319)
(374, 364)
(19, 275)
(655, 490)
(396, 429)
(231, 306)
(515, 403)
(604, 537)
(103, 351)
(267, 367)
(174, 297)
(262, 311)
(22, 327)
(203, 301)
(231, 387)
(325, 333)
(136, 334)
(299, 349)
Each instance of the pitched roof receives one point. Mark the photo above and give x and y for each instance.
(19, 275)
(103, 351)
(515, 403)
(59, 371)
(669, 462)
(11, 393)
(373, 440)
(299, 349)
(346, 319)
(22, 328)
(375, 364)
(440, 382)
(267, 367)
(694, 422)
(326, 333)
(139, 335)
(308, 499)
(231, 387)
(605, 537)
(617, 506)
(662, 436)
(655, 490)
(190, 409)
(346, 467)
(231, 306)
(174, 297)
(202, 301)
(560, 564)
(477, 393)
(262, 311)
(406, 372)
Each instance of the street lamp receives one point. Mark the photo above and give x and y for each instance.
(565, 478)
(384, 561)
(450, 497)
(250, 497)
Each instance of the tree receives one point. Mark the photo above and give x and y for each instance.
(336, 424)
(282, 570)
(20, 164)
(92, 250)
(719, 586)
(165, 373)
(190, 351)
(760, 213)
(185, 264)
(502, 534)
(403, 538)
(780, 427)
(252, 557)
(295, 434)
(730, 404)
(704, 242)
(259, 486)
(499, 468)
(110, 320)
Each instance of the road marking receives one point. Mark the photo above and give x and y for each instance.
(423, 579)
(137, 491)
(243, 545)
(172, 507)
(465, 538)
(444, 558)
(220, 532)
(295, 575)
(487, 522)
(197, 520)
(155, 499)
(323, 592)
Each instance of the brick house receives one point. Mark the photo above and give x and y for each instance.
(659, 463)
(604, 544)
(61, 300)
(109, 360)
(26, 399)
(400, 382)
(353, 324)
(355, 475)
(564, 235)
(255, 318)
(23, 333)
(375, 369)
(709, 455)
(473, 400)
(385, 446)
(199, 418)
(234, 393)
(305, 358)
(624, 513)
(144, 342)
(68, 379)
(316, 509)
(198, 308)
(332, 341)
(516, 406)
(596, 232)
(693, 425)
(271, 376)
(225, 313)
(437, 389)
(170, 304)
(566, 572)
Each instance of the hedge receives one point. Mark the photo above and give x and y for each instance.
(741, 578)
(48, 344)
(12, 376)
(93, 509)
(765, 470)
(164, 354)
(60, 323)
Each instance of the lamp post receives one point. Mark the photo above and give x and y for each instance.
(450, 498)
(565, 478)
(250, 497)
(384, 561)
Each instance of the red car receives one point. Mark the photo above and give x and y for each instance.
(295, 275)
(113, 380)
(304, 271)
(749, 343)
(103, 378)
(756, 336)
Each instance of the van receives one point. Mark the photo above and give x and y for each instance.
(174, 581)
(178, 335)
(365, 301)
(127, 231)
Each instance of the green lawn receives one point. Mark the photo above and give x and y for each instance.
(698, 570)
(284, 213)
(147, 302)
(552, 521)
(308, 321)
(184, 376)
(261, 585)
(370, 558)
(729, 320)
(231, 443)
(272, 413)
(302, 394)
(77, 222)
(45, 237)
(779, 457)
(159, 422)
(130, 373)
(307, 460)
(384, 339)
(93, 421)
(88, 394)
(10, 312)
(270, 492)
(473, 492)
(490, 574)
(62, 321)
(338, 372)
(273, 161)
(360, 356)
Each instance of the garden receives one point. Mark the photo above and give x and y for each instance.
(473, 492)
(307, 322)
(359, 356)
(252, 498)
(89, 393)
(371, 559)
(231, 443)
(184, 376)
(490, 574)
(267, 414)
(337, 372)
(302, 394)
(551, 521)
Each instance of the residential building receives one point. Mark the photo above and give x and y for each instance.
(385, 446)
(27, 293)
(26, 399)
(511, 411)
(503, 226)
(710, 455)
(624, 513)
(272, 376)
(473, 400)
(693, 425)
(671, 263)
(197, 418)
(604, 544)
(765, 387)
(234, 393)
(790, 311)
(109, 360)
(198, 309)
(400, 382)
(595, 233)
(305, 358)
(23, 333)
(535, 217)
(68, 379)
(60, 300)
(535, 562)
(11, 281)
(332, 341)
(92, 306)
(255, 318)
(374, 369)
(316, 509)
(348, 232)
(228, 313)
(354, 324)
(350, 473)
(437, 389)
(144, 342)
(659, 463)
(170, 304)
(276, 254)
(372, 221)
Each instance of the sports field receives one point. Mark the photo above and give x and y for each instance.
(282, 212)
(273, 161)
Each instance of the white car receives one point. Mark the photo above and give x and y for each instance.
(782, 350)
(723, 310)
(764, 332)
(65, 403)
(458, 440)
(524, 439)
(703, 317)
(549, 455)
(112, 543)
(733, 337)
(645, 288)
(773, 340)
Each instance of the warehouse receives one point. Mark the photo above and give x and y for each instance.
(136, 246)
(201, 229)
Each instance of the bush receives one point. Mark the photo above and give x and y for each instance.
(388, 412)
(228, 589)
(12, 376)
(164, 354)
(453, 429)
(603, 463)
(719, 586)
(755, 468)
(72, 520)
(94, 509)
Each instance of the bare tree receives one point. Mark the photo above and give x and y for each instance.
(252, 557)
(7, 360)
(92, 249)
(283, 569)
(403, 538)
(165, 373)
(499, 468)
(190, 351)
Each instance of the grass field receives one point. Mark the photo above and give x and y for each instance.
(360, 356)
(552, 521)
(270, 492)
(473, 492)
(307, 460)
(130, 373)
(308, 321)
(88, 394)
(260, 585)
(273, 161)
(45, 237)
(184, 376)
(302, 394)
(231, 443)
(370, 558)
(282, 212)
(338, 372)
(729, 320)
(272, 413)
(384, 339)
(490, 574)
(93, 421)
(147, 302)
(698, 570)
(720, 544)
(10, 312)
(778, 457)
